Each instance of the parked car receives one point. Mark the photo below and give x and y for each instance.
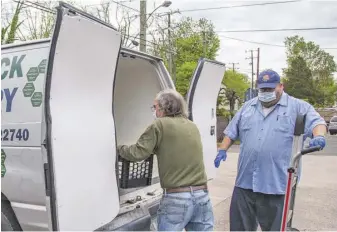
(333, 125)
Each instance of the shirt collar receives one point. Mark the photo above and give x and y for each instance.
(283, 101)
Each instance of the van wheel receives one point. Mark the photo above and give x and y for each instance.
(8, 218)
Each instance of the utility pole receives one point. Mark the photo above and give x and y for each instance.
(252, 63)
(251, 58)
(258, 63)
(170, 64)
(233, 66)
(204, 41)
(142, 26)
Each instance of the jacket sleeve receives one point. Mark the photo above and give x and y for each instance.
(145, 146)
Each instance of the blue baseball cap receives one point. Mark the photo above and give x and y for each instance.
(268, 79)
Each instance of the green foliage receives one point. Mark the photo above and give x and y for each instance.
(223, 112)
(184, 73)
(309, 72)
(235, 86)
(299, 82)
(318, 61)
(8, 33)
(325, 94)
(3, 33)
(195, 39)
(191, 39)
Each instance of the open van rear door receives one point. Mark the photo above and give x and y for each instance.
(81, 182)
(202, 99)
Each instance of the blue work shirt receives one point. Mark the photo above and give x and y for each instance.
(266, 142)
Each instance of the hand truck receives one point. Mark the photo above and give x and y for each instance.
(289, 198)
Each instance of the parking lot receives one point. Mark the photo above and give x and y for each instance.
(316, 200)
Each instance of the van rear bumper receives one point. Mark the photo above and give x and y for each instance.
(139, 219)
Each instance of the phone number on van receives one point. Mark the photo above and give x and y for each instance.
(14, 134)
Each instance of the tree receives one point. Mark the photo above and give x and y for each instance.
(299, 82)
(325, 93)
(319, 62)
(190, 40)
(235, 84)
(123, 18)
(195, 39)
(318, 69)
(9, 32)
(40, 18)
(185, 72)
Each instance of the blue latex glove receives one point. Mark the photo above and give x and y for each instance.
(222, 155)
(318, 141)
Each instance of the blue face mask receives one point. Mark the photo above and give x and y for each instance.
(267, 96)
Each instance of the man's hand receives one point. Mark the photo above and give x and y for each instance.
(318, 141)
(222, 155)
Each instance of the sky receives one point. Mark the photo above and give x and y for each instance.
(301, 14)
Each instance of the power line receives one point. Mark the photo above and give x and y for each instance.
(242, 40)
(118, 3)
(282, 29)
(267, 44)
(238, 6)
(131, 8)
(147, 41)
(128, 7)
(43, 7)
(48, 10)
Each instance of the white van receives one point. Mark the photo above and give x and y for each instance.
(66, 104)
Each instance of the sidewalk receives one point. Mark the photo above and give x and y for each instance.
(221, 189)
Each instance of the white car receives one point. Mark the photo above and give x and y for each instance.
(333, 125)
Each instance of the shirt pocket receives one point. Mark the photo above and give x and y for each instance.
(246, 121)
(246, 128)
(284, 125)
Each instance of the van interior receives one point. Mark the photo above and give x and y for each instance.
(136, 85)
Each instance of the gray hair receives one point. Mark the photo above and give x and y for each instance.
(171, 103)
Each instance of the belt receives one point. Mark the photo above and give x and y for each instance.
(186, 189)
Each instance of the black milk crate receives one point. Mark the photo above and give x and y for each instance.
(135, 174)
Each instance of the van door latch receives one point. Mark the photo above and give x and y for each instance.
(212, 130)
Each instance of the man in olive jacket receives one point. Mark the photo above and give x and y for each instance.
(177, 143)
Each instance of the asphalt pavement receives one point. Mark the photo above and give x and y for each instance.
(316, 196)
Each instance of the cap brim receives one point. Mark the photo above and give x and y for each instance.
(267, 85)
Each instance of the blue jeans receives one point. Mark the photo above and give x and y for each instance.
(191, 211)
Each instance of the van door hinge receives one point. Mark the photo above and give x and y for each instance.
(47, 179)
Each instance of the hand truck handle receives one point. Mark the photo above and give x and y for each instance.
(310, 149)
(305, 151)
